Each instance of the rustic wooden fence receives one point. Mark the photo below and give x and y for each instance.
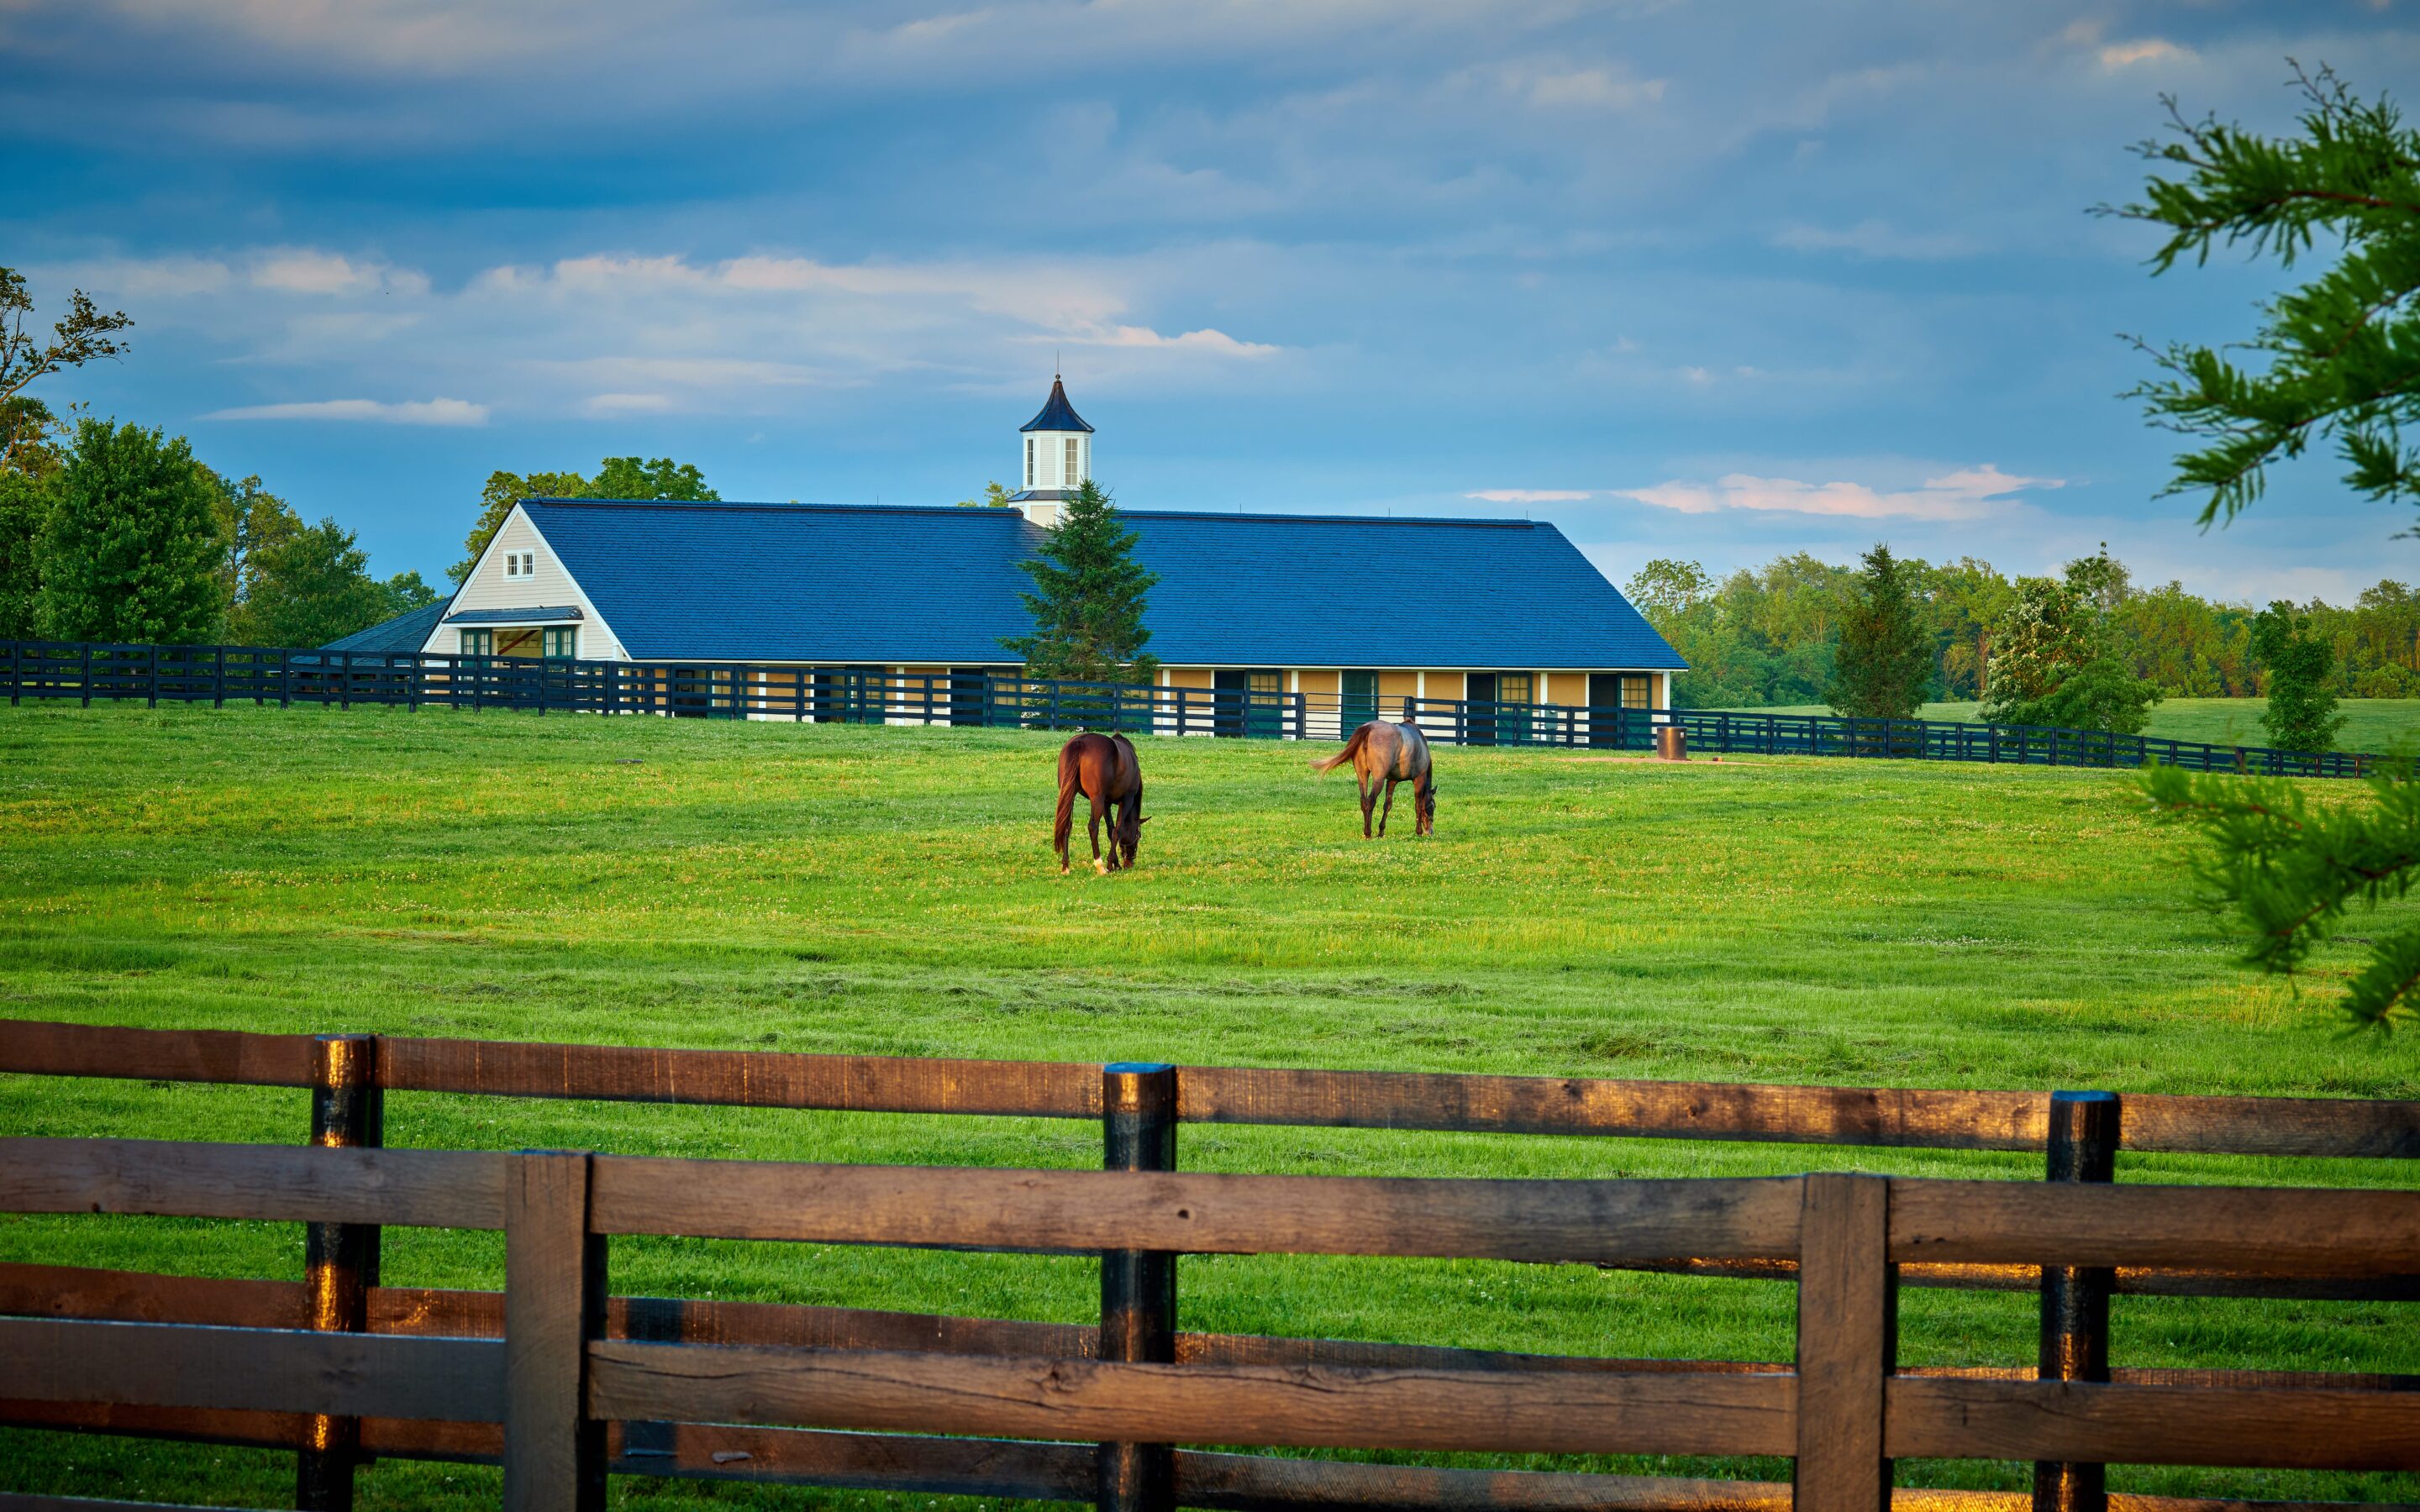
(561, 1383)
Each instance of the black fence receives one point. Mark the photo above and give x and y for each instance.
(89, 671)
(1465, 722)
(987, 700)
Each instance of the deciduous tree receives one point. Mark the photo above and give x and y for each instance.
(82, 335)
(2301, 714)
(310, 586)
(617, 477)
(133, 549)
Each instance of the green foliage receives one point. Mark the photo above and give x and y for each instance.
(405, 593)
(2341, 353)
(250, 520)
(2056, 664)
(25, 514)
(82, 335)
(617, 477)
(1755, 638)
(135, 547)
(2287, 871)
(1088, 598)
(2301, 713)
(994, 496)
(1884, 661)
(311, 586)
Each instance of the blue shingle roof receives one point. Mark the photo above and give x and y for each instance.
(1057, 413)
(896, 585)
(405, 632)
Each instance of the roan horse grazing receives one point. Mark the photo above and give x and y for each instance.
(1389, 754)
(1104, 769)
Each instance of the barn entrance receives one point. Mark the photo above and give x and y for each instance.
(1256, 704)
(1609, 691)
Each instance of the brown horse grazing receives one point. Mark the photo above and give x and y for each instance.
(1104, 769)
(1389, 754)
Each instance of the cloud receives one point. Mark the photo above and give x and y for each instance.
(1588, 89)
(2146, 50)
(1530, 496)
(606, 405)
(1877, 238)
(1204, 340)
(408, 412)
(1969, 493)
(306, 272)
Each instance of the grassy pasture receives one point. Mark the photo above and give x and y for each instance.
(889, 891)
(2371, 725)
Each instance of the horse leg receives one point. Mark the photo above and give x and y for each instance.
(1388, 810)
(1369, 801)
(1100, 808)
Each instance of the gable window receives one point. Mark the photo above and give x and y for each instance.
(479, 643)
(520, 564)
(1071, 480)
(562, 642)
(1029, 461)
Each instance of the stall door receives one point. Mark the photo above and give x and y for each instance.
(1479, 709)
(1604, 709)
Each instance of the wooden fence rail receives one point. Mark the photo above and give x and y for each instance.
(561, 1383)
(83, 671)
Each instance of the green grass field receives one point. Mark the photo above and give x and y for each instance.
(889, 891)
(2373, 725)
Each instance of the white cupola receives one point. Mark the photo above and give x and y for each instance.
(1057, 457)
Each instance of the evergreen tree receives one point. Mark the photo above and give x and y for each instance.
(2055, 659)
(1088, 598)
(2340, 355)
(1885, 660)
(2301, 714)
(132, 548)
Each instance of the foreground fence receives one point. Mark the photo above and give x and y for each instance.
(563, 1382)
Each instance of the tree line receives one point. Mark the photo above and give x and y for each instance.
(110, 532)
(1772, 635)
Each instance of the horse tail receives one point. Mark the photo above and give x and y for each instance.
(1352, 748)
(1067, 818)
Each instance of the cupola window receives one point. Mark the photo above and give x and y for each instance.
(1029, 461)
(1071, 478)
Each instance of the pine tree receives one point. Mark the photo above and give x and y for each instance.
(1885, 660)
(1088, 598)
(2301, 714)
(132, 548)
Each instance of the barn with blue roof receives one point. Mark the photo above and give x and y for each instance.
(1496, 610)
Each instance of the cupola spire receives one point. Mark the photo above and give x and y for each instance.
(1058, 456)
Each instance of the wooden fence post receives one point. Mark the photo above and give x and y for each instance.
(554, 1303)
(340, 1261)
(2074, 1299)
(1137, 1287)
(1848, 1328)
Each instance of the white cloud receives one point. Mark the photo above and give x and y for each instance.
(2146, 50)
(1204, 340)
(628, 404)
(1969, 493)
(1876, 238)
(1593, 89)
(1529, 496)
(408, 412)
(303, 271)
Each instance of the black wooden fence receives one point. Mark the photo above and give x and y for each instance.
(1464, 722)
(86, 670)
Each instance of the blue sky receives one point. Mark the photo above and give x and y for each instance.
(1711, 281)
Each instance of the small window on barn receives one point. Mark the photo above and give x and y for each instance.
(562, 642)
(1072, 480)
(520, 564)
(1029, 461)
(479, 643)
